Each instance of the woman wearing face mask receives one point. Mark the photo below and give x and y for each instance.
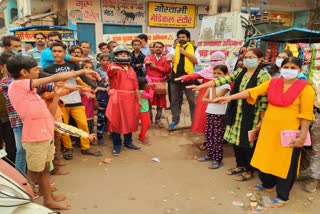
(290, 108)
(241, 116)
(274, 68)
(205, 75)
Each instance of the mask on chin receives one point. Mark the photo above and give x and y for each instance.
(17, 53)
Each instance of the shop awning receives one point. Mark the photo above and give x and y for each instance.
(291, 35)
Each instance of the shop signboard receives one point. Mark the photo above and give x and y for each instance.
(130, 12)
(28, 35)
(84, 11)
(171, 15)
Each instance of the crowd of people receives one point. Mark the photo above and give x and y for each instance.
(49, 98)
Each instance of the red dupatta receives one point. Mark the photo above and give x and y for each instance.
(277, 97)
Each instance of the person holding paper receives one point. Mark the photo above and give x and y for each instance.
(290, 108)
(242, 117)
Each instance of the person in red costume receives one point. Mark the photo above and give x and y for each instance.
(157, 69)
(124, 100)
(199, 120)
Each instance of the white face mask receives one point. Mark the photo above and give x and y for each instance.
(289, 73)
(279, 62)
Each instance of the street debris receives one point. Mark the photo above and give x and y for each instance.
(155, 159)
(107, 160)
(230, 192)
(238, 203)
(266, 201)
(310, 199)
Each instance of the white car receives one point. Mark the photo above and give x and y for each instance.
(14, 196)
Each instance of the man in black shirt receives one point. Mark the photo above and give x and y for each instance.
(72, 104)
(137, 58)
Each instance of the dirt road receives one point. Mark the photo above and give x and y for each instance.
(133, 183)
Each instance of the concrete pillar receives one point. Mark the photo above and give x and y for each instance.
(99, 34)
(213, 7)
(236, 5)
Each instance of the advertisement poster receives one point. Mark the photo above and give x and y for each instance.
(166, 38)
(171, 15)
(84, 11)
(229, 47)
(131, 12)
(223, 26)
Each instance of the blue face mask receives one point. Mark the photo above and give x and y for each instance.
(17, 53)
(251, 63)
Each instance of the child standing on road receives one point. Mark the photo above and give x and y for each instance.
(88, 101)
(38, 123)
(215, 125)
(123, 108)
(146, 94)
(102, 96)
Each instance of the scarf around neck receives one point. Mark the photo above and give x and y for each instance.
(276, 95)
(188, 65)
(248, 110)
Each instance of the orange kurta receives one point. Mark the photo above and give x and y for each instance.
(270, 156)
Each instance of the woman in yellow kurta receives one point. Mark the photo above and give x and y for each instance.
(290, 108)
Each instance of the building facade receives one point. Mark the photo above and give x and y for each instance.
(93, 18)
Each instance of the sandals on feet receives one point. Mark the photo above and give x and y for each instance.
(244, 176)
(204, 159)
(215, 165)
(67, 154)
(277, 203)
(203, 146)
(159, 124)
(235, 170)
(95, 153)
(259, 187)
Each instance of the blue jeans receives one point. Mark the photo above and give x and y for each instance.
(20, 162)
(116, 139)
